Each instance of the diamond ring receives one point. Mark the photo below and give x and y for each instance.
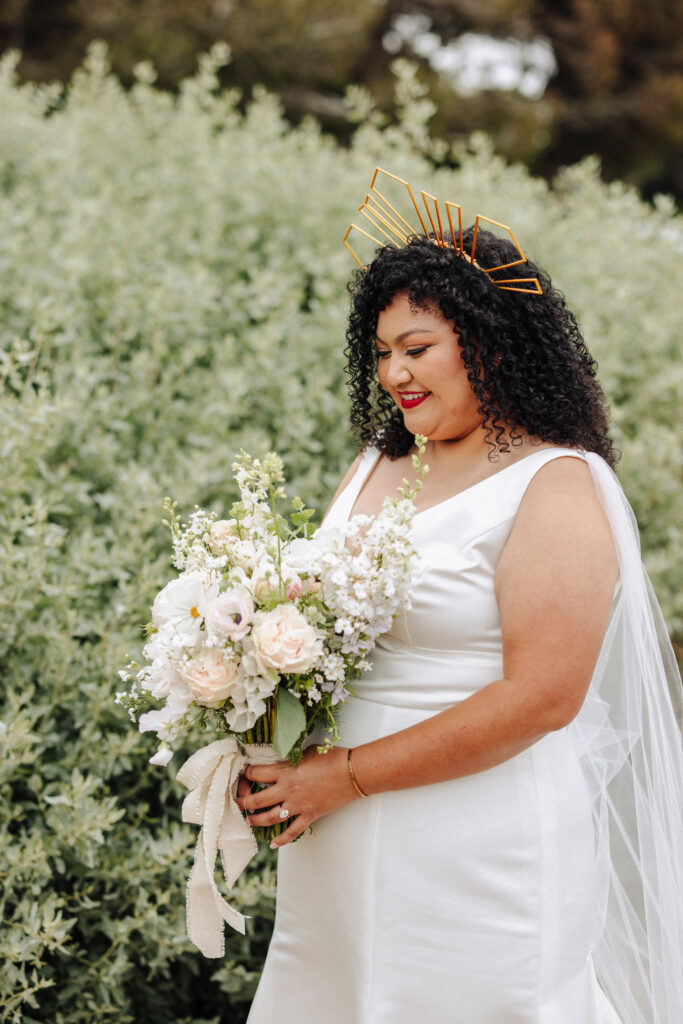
(284, 813)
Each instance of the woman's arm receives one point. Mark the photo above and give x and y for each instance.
(554, 586)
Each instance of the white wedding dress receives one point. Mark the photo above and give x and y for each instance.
(472, 901)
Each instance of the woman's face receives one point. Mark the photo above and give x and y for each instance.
(420, 364)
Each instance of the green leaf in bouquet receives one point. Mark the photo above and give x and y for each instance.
(290, 722)
(301, 520)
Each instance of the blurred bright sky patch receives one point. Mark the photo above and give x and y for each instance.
(474, 62)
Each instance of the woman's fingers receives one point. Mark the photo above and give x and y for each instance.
(244, 786)
(297, 827)
(314, 787)
(272, 816)
(265, 773)
(249, 796)
(257, 799)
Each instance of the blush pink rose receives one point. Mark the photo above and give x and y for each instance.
(210, 676)
(285, 641)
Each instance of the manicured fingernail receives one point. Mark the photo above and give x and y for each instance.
(273, 845)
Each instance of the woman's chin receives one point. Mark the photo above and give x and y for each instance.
(418, 424)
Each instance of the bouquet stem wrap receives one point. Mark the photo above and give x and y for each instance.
(211, 774)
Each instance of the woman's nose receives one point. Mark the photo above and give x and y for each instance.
(398, 371)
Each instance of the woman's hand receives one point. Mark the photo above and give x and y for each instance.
(319, 784)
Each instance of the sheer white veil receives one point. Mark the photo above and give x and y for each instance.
(628, 737)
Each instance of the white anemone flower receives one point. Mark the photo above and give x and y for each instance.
(230, 614)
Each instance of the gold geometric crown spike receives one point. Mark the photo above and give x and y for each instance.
(395, 229)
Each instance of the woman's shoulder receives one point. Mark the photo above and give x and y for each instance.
(559, 477)
(560, 507)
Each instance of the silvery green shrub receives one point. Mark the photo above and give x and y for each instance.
(172, 288)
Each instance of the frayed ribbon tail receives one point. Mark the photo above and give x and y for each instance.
(211, 774)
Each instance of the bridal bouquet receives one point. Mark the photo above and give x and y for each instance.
(257, 639)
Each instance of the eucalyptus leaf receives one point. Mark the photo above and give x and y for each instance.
(290, 721)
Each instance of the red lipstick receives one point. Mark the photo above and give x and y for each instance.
(411, 399)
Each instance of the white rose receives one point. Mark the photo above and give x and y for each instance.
(221, 532)
(231, 614)
(210, 676)
(285, 641)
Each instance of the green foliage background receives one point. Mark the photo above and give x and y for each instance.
(172, 287)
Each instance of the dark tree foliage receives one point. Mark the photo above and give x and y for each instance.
(617, 92)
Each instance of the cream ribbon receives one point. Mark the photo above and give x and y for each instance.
(211, 774)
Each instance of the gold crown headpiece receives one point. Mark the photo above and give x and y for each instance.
(396, 230)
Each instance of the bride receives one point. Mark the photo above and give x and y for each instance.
(496, 839)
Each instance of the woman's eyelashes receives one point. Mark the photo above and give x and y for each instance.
(381, 353)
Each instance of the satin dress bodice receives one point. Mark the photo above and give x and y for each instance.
(451, 634)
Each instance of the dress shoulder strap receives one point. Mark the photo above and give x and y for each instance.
(341, 508)
(527, 467)
(496, 499)
(513, 485)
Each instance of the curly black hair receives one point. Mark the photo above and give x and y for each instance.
(525, 357)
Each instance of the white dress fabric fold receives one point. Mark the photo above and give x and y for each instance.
(541, 891)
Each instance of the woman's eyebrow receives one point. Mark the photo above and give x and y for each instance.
(406, 334)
